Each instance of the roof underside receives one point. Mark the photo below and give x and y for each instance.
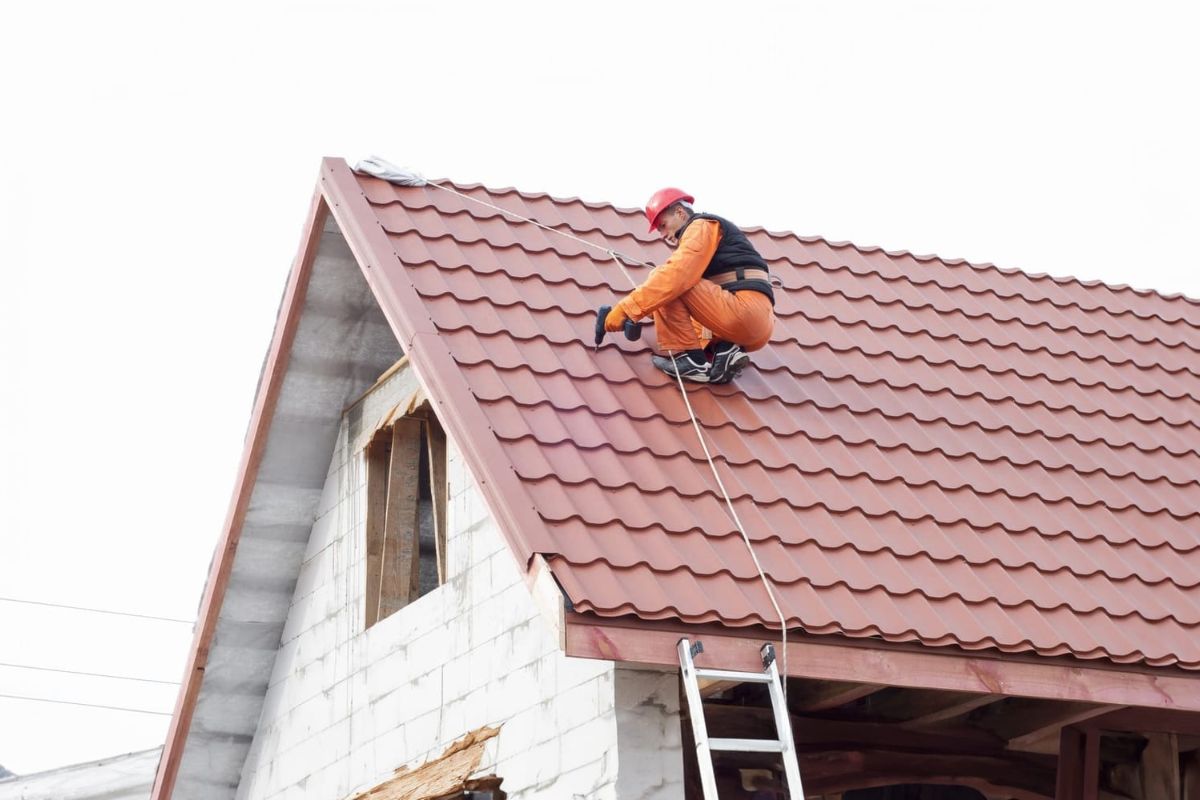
(342, 344)
(928, 452)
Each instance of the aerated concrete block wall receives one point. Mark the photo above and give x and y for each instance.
(346, 707)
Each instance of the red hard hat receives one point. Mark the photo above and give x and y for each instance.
(661, 200)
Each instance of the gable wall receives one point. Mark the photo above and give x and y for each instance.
(345, 707)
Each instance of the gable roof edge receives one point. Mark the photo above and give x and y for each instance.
(266, 399)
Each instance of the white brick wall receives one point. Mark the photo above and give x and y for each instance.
(345, 707)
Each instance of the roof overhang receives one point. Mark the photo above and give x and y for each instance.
(331, 342)
(825, 658)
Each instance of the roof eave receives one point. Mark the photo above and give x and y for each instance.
(827, 658)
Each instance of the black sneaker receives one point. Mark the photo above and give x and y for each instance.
(690, 368)
(729, 359)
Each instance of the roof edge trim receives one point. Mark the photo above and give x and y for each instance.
(587, 638)
(465, 422)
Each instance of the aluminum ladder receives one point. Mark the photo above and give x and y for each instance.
(692, 675)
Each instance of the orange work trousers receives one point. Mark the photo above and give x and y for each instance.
(746, 318)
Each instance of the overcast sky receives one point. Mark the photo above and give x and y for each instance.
(159, 159)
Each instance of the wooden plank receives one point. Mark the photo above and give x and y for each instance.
(813, 696)
(708, 688)
(445, 776)
(654, 644)
(435, 441)
(376, 459)
(1160, 767)
(399, 579)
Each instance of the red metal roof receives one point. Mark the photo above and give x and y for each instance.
(928, 451)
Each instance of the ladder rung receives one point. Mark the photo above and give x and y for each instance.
(747, 745)
(730, 675)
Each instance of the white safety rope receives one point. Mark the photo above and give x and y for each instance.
(736, 521)
(619, 258)
(616, 256)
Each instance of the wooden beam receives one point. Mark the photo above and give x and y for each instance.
(1160, 767)
(813, 696)
(399, 580)
(1002, 776)
(924, 707)
(834, 658)
(376, 458)
(435, 441)
(816, 734)
(709, 688)
(1147, 720)
(958, 706)
(1029, 723)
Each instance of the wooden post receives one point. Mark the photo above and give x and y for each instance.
(1160, 766)
(377, 472)
(1078, 764)
(435, 438)
(1091, 765)
(400, 577)
(1191, 777)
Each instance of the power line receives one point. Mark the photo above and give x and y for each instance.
(87, 705)
(95, 610)
(89, 674)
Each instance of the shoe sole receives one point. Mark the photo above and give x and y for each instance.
(696, 377)
(735, 367)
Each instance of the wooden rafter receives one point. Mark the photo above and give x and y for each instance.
(813, 696)
(1034, 725)
(925, 707)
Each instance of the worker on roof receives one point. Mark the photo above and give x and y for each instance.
(711, 301)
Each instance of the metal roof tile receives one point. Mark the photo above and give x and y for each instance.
(928, 451)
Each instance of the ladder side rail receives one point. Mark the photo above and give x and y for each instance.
(691, 687)
(783, 726)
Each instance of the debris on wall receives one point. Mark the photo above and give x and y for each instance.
(445, 776)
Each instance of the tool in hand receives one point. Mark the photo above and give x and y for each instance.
(633, 330)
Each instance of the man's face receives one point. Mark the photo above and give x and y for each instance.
(670, 222)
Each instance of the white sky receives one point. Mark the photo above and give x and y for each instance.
(158, 161)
